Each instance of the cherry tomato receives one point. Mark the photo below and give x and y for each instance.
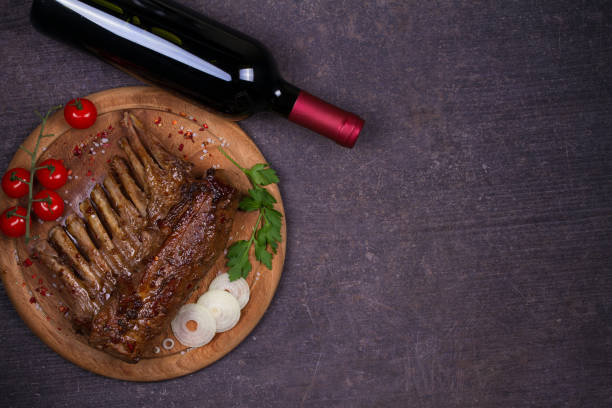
(53, 176)
(15, 182)
(11, 224)
(80, 113)
(52, 206)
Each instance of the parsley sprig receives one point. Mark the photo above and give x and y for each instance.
(266, 233)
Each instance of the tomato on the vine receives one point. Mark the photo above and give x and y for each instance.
(12, 221)
(48, 205)
(52, 174)
(15, 182)
(80, 113)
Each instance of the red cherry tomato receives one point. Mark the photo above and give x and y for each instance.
(13, 182)
(53, 176)
(50, 208)
(80, 113)
(12, 225)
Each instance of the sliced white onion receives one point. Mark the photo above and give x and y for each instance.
(168, 344)
(238, 288)
(203, 333)
(223, 307)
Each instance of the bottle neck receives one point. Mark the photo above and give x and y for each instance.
(317, 115)
(284, 97)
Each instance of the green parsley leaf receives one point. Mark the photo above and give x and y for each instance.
(262, 255)
(238, 260)
(267, 230)
(261, 174)
(270, 232)
(257, 198)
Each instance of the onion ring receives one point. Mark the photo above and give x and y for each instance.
(238, 288)
(204, 331)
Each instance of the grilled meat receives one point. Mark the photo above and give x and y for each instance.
(149, 233)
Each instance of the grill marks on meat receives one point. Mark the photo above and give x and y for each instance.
(136, 313)
(149, 233)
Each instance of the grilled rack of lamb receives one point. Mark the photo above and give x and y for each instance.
(147, 235)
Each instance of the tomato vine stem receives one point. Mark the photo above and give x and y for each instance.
(33, 168)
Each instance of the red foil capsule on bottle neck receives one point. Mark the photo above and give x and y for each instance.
(328, 120)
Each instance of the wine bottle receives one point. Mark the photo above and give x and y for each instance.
(174, 47)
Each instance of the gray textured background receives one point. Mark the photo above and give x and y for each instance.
(458, 256)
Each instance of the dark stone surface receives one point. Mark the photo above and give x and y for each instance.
(458, 256)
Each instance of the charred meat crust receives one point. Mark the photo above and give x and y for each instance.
(148, 234)
(138, 310)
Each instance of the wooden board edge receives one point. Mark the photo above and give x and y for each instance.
(144, 97)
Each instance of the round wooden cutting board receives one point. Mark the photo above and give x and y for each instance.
(185, 130)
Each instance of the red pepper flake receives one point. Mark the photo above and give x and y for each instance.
(184, 156)
(183, 114)
(32, 299)
(205, 126)
(48, 318)
(59, 328)
(158, 121)
(180, 132)
(23, 284)
(63, 309)
(77, 151)
(201, 129)
(189, 286)
(195, 120)
(69, 172)
(27, 262)
(43, 291)
(93, 179)
(110, 127)
(130, 346)
(88, 173)
(174, 122)
(40, 281)
(169, 135)
(34, 276)
(108, 161)
(180, 147)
